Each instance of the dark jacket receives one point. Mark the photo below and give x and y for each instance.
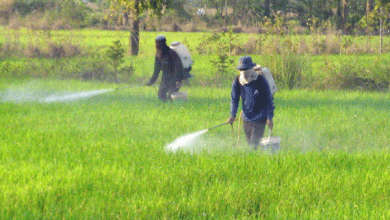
(171, 68)
(257, 100)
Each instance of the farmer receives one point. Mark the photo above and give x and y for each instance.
(167, 61)
(257, 101)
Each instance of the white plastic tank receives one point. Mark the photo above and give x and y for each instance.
(264, 71)
(183, 53)
(271, 82)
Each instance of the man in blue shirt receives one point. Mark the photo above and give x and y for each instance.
(257, 101)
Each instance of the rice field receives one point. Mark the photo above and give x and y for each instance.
(72, 149)
(105, 156)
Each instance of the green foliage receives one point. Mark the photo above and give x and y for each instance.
(1, 50)
(73, 10)
(249, 12)
(116, 54)
(289, 70)
(5, 67)
(222, 44)
(223, 62)
(383, 2)
(349, 75)
(25, 7)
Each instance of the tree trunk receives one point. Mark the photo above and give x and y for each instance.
(226, 12)
(125, 19)
(134, 33)
(234, 7)
(344, 18)
(267, 10)
(381, 30)
(342, 14)
(369, 6)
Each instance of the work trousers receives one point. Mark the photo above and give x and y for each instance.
(165, 91)
(254, 131)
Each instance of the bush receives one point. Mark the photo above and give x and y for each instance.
(116, 54)
(223, 63)
(352, 76)
(288, 70)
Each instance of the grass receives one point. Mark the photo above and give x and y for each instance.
(105, 157)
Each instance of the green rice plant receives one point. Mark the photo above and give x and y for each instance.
(105, 157)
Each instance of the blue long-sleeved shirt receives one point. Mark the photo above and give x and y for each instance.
(257, 100)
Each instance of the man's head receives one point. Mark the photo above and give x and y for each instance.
(161, 42)
(245, 63)
(161, 46)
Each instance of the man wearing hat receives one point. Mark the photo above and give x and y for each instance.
(257, 101)
(167, 61)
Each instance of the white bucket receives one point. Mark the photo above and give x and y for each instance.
(179, 95)
(271, 142)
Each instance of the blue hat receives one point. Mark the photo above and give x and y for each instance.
(245, 63)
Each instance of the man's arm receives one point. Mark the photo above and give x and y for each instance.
(157, 69)
(270, 105)
(235, 98)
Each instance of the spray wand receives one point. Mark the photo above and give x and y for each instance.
(216, 126)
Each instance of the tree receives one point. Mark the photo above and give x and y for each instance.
(134, 8)
(6, 8)
(380, 12)
(369, 6)
(267, 10)
(342, 13)
(383, 5)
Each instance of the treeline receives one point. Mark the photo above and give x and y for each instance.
(279, 16)
(345, 15)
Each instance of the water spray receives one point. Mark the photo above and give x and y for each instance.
(74, 96)
(79, 95)
(186, 140)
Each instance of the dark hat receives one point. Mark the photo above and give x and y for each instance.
(161, 38)
(245, 63)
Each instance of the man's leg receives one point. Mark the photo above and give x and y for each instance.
(248, 131)
(254, 131)
(162, 92)
(173, 89)
(258, 131)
